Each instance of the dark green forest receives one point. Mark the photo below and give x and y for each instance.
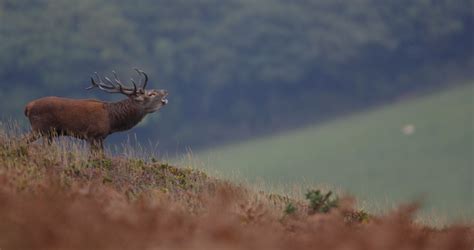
(235, 68)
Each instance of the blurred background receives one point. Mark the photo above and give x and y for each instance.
(372, 97)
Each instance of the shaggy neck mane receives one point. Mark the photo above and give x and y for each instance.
(124, 115)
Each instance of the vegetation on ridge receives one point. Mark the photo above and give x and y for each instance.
(56, 197)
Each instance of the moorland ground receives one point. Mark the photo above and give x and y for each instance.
(59, 197)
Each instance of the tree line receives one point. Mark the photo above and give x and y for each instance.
(238, 67)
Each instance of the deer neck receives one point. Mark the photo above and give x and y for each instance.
(124, 115)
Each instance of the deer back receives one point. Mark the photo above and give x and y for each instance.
(82, 118)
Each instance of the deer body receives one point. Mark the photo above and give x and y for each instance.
(92, 120)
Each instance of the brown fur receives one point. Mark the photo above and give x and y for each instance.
(94, 120)
(91, 120)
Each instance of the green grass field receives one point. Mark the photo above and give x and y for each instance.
(369, 155)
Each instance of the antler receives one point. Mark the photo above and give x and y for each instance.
(143, 85)
(115, 86)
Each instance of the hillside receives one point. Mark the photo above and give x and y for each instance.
(59, 197)
(233, 68)
(418, 147)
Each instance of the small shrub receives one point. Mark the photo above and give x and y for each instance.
(101, 163)
(290, 209)
(319, 202)
(360, 216)
(136, 164)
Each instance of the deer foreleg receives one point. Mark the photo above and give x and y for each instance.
(96, 146)
(31, 137)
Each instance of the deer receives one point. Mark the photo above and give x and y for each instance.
(93, 120)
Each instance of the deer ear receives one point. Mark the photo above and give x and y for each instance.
(139, 98)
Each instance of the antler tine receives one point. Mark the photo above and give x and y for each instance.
(146, 79)
(134, 84)
(102, 85)
(141, 72)
(120, 84)
(109, 81)
(95, 84)
(111, 87)
(117, 81)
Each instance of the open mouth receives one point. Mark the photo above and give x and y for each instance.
(164, 101)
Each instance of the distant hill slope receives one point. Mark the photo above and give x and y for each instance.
(422, 147)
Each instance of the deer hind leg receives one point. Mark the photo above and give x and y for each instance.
(49, 136)
(32, 137)
(48, 139)
(28, 139)
(35, 135)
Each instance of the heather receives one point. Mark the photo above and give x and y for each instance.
(60, 197)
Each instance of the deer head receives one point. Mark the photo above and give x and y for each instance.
(148, 101)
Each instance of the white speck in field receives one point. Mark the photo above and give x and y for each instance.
(408, 129)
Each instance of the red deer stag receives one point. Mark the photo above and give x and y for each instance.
(94, 120)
